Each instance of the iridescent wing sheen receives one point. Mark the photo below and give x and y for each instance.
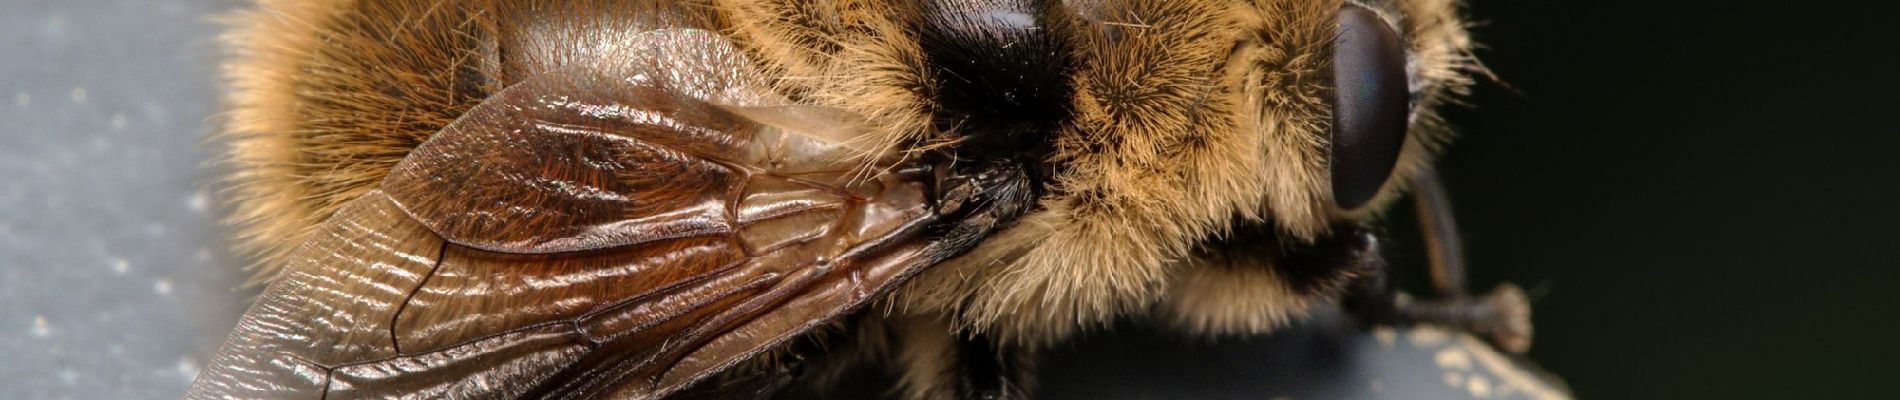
(585, 235)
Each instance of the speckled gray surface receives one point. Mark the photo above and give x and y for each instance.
(1325, 357)
(113, 281)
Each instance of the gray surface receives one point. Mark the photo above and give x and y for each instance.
(1326, 357)
(113, 280)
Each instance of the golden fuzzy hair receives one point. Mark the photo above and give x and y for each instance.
(1192, 118)
(325, 97)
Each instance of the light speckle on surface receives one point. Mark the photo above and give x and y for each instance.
(187, 368)
(1454, 379)
(1510, 379)
(40, 327)
(53, 25)
(118, 121)
(1453, 358)
(120, 266)
(1479, 387)
(69, 377)
(199, 201)
(163, 287)
(1386, 335)
(79, 95)
(22, 99)
(1424, 336)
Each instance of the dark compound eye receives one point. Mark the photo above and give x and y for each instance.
(1370, 106)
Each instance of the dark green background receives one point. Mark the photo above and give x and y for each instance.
(1702, 193)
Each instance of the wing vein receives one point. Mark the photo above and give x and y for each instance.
(395, 340)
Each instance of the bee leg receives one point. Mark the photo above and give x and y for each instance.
(1502, 317)
(1440, 230)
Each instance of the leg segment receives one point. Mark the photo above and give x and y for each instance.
(1440, 231)
(1501, 316)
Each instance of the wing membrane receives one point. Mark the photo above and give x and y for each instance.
(580, 236)
(349, 280)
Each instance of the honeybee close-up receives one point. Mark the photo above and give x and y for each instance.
(933, 199)
(642, 199)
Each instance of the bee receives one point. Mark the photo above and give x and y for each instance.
(752, 198)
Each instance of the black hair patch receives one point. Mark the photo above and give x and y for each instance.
(1321, 268)
(1001, 69)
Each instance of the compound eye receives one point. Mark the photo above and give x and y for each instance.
(1370, 107)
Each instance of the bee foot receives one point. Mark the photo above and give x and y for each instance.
(1502, 317)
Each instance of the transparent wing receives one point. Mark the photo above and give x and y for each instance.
(579, 235)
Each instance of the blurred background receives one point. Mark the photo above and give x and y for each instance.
(1701, 195)
(114, 280)
(1705, 193)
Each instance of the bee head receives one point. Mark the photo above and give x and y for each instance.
(1183, 137)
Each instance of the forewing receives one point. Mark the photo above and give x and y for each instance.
(580, 235)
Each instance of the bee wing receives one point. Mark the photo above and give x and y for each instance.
(580, 236)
